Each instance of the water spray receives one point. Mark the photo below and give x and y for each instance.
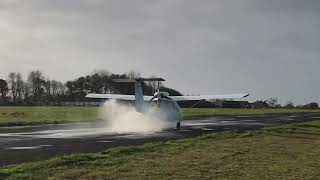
(122, 118)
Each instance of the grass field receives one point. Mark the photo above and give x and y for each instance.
(205, 112)
(286, 152)
(22, 115)
(26, 115)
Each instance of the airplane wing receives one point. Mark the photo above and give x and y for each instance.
(209, 97)
(116, 96)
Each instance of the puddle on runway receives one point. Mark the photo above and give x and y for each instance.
(66, 133)
(199, 124)
(72, 133)
(314, 117)
(105, 141)
(207, 129)
(28, 147)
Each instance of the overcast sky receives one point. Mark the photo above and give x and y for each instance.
(269, 48)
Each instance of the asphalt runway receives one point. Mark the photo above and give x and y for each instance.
(30, 143)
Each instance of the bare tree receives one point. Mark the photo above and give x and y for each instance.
(12, 85)
(26, 92)
(58, 91)
(3, 89)
(61, 89)
(19, 84)
(133, 74)
(36, 81)
(54, 88)
(47, 87)
(102, 72)
(81, 84)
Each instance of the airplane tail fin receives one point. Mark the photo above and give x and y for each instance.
(139, 100)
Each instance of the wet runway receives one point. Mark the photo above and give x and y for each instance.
(29, 143)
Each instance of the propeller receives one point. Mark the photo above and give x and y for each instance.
(159, 95)
(156, 94)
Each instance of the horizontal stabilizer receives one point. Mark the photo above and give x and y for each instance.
(150, 79)
(137, 80)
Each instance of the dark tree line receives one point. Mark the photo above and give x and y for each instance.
(37, 89)
(40, 90)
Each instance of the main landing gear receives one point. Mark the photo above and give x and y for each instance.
(178, 125)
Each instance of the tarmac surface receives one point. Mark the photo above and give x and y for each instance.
(30, 143)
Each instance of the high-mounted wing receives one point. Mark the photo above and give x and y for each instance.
(209, 97)
(116, 96)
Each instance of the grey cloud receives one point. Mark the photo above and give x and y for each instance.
(269, 48)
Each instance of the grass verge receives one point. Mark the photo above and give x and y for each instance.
(206, 112)
(285, 152)
(31, 115)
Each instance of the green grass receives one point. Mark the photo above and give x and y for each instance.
(205, 112)
(27, 115)
(30, 115)
(286, 152)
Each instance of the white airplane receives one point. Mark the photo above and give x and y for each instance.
(165, 103)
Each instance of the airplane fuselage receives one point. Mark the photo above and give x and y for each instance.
(167, 108)
(170, 111)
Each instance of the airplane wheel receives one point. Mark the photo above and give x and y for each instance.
(178, 125)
